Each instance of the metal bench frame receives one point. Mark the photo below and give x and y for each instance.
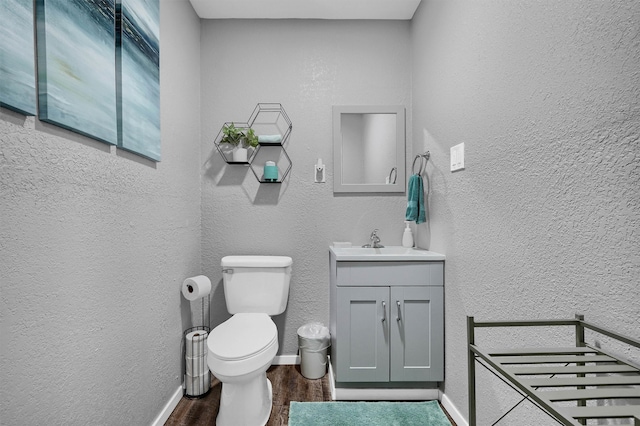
(585, 363)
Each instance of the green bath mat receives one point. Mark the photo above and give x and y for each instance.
(367, 413)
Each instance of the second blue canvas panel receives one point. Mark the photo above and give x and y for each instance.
(139, 77)
(76, 72)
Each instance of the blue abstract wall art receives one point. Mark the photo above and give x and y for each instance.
(76, 66)
(138, 75)
(17, 62)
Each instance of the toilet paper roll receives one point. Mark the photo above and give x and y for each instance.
(196, 287)
(196, 366)
(196, 343)
(197, 385)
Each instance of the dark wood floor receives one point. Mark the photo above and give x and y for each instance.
(288, 385)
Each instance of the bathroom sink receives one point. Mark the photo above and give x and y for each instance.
(389, 253)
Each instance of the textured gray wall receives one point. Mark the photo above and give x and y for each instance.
(543, 222)
(308, 66)
(94, 244)
(545, 219)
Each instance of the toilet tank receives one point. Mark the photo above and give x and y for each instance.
(256, 284)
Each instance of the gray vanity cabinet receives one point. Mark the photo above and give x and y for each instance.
(387, 321)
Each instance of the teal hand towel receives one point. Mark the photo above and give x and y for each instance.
(415, 200)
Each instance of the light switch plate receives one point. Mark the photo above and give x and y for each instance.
(457, 157)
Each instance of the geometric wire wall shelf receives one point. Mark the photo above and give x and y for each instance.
(272, 126)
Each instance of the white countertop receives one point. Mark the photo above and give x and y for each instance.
(390, 253)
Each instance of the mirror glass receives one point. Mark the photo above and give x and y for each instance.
(369, 148)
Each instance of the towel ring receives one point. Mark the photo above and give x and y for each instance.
(424, 158)
(413, 167)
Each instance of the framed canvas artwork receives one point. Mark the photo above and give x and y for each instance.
(17, 62)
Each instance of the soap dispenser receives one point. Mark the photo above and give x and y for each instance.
(407, 237)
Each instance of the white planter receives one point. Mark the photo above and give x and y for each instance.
(240, 155)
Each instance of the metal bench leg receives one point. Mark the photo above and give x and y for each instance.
(471, 371)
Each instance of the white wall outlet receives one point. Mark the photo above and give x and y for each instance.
(457, 157)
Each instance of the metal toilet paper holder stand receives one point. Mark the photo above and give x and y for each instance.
(196, 386)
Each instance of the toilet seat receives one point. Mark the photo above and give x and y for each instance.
(243, 336)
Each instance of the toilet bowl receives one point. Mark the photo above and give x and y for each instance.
(240, 350)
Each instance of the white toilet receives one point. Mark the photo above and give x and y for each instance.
(241, 349)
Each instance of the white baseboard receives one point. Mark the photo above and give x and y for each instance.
(453, 410)
(373, 394)
(286, 360)
(168, 408)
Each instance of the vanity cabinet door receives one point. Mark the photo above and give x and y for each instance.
(362, 345)
(417, 324)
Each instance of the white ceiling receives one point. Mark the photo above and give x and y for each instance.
(305, 9)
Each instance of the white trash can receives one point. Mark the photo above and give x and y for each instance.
(313, 340)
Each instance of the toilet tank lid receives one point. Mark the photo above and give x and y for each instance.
(256, 261)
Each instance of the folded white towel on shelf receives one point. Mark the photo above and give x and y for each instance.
(270, 138)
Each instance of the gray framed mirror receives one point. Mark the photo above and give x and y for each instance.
(369, 148)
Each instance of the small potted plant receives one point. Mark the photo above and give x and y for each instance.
(233, 136)
(240, 140)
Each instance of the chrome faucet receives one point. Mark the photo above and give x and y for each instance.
(375, 240)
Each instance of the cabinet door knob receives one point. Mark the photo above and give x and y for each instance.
(384, 311)
(399, 317)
